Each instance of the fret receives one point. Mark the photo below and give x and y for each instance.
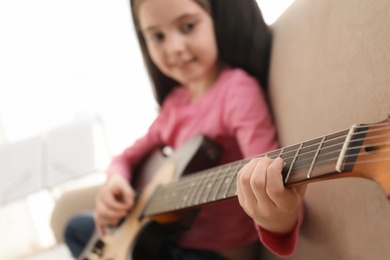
(226, 179)
(325, 160)
(164, 199)
(328, 155)
(220, 183)
(202, 187)
(315, 157)
(161, 203)
(297, 160)
(214, 180)
(211, 185)
(188, 201)
(232, 190)
(191, 188)
(293, 162)
(176, 196)
(275, 154)
(188, 186)
(205, 192)
(156, 204)
(232, 178)
(281, 152)
(286, 153)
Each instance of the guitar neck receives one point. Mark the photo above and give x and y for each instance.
(313, 160)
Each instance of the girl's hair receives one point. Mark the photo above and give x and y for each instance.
(243, 39)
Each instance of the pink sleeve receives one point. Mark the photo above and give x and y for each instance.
(248, 118)
(131, 156)
(282, 245)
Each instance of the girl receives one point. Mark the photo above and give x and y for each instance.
(207, 70)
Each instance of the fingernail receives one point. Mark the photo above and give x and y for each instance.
(280, 161)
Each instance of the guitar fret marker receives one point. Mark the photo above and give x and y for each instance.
(220, 184)
(205, 195)
(231, 180)
(228, 186)
(315, 157)
(190, 193)
(344, 148)
(212, 183)
(226, 182)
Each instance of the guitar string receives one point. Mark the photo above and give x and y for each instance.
(337, 152)
(304, 165)
(314, 145)
(387, 127)
(241, 162)
(228, 193)
(339, 137)
(180, 204)
(330, 146)
(313, 151)
(324, 143)
(244, 161)
(218, 176)
(372, 161)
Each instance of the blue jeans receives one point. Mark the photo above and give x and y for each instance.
(80, 229)
(78, 232)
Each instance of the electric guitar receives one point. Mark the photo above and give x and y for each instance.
(361, 151)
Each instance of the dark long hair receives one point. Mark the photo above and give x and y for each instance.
(243, 39)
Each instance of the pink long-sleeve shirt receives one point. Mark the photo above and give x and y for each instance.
(234, 114)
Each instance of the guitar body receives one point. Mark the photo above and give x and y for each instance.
(140, 237)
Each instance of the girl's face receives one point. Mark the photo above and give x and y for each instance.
(180, 39)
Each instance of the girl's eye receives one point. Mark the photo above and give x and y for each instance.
(187, 27)
(158, 37)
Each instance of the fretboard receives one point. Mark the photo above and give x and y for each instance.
(314, 159)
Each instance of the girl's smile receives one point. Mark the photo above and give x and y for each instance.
(182, 62)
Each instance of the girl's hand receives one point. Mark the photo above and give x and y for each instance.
(113, 202)
(264, 197)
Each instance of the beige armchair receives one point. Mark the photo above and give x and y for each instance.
(331, 69)
(70, 203)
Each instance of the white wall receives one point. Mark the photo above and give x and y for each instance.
(63, 59)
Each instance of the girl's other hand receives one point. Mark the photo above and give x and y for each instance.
(263, 196)
(113, 202)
